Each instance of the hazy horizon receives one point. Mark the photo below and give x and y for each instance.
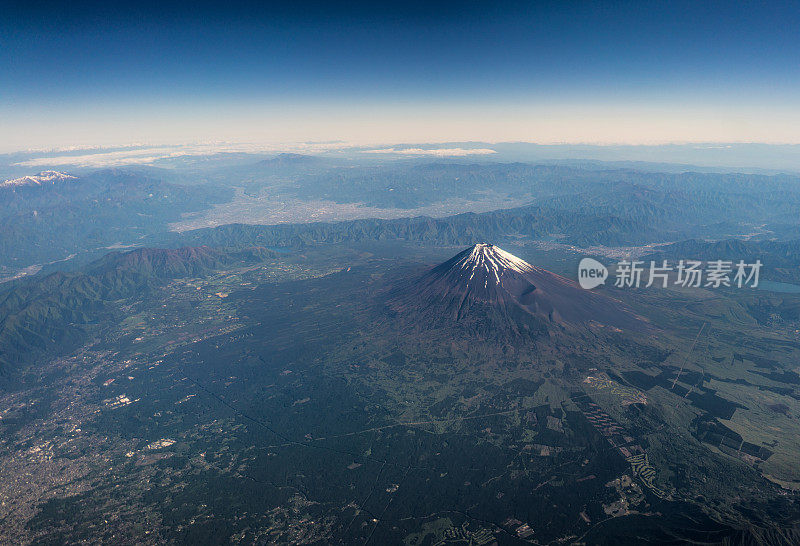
(740, 157)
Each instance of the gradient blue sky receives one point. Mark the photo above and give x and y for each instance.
(607, 72)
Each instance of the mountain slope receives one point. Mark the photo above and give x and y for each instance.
(59, 310)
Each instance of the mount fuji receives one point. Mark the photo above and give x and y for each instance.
(496, 293)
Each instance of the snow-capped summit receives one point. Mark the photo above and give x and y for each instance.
(484, 271)
(44, 177)
(493, 259)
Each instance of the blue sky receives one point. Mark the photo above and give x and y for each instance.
(634, 72)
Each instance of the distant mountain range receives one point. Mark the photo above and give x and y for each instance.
(53, 215)
(780, 259)
(412, 185)
(580, 207)
(569, 205)
(288, 160)
(576, 227)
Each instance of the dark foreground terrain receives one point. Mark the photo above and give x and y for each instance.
(210, 396)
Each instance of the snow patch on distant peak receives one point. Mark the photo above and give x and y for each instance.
(492, 259)
(38, 179)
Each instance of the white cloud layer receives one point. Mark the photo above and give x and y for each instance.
(147, 155)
